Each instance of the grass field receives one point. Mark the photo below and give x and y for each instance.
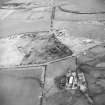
(18, 22)
(20, 87)
(3, 1)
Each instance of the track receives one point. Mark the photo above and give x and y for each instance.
(78, 12)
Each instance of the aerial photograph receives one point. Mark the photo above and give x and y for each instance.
(52, 52)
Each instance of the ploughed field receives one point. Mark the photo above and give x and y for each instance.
(31, 48)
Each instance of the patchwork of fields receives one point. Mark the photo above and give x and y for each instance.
(46, 84)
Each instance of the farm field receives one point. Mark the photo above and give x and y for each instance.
(36, 66)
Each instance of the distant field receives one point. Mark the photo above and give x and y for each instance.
(18, 22)
(3, 1)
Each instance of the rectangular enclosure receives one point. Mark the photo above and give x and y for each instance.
(20, 86)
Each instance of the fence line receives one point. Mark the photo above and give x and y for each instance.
(35, 65)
